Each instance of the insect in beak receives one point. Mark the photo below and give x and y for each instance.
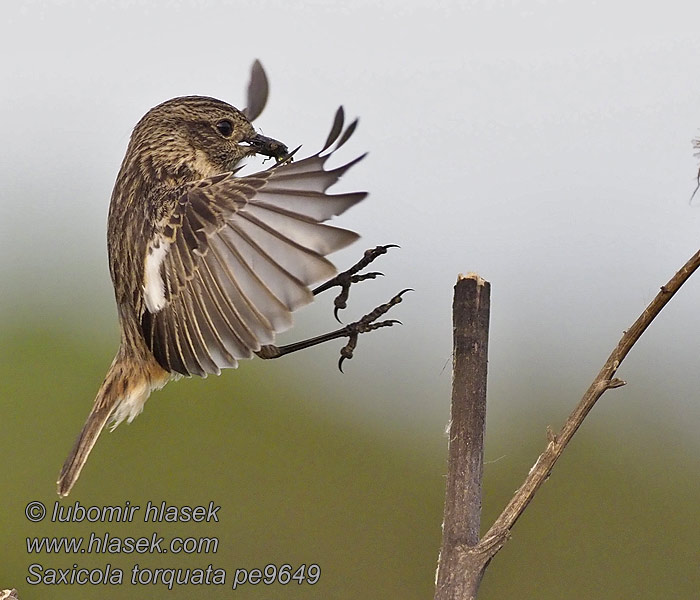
(266, 146)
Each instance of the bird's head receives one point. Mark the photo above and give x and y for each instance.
(189, 138)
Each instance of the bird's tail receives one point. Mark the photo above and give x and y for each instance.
(121, 396)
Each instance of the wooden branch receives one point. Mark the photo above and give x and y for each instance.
(461, 569)
(462, 517)
(496, 536)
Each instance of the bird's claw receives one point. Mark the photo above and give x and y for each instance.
(369, 323)
(352, 275)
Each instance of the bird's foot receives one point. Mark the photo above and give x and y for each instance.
(352, 275)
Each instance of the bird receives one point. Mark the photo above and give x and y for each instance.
(208, 265)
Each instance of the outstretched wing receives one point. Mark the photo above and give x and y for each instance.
(237, 257)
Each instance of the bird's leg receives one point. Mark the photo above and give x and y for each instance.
(351, 331)
(345, 279)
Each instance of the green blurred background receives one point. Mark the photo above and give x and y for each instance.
(546, 146)
(301, 478)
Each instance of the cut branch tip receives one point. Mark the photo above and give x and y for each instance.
(471, 275)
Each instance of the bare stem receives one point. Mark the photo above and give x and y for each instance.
(462, 517)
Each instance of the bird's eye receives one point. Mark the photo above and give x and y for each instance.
(225, 127)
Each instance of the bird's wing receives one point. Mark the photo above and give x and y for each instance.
(237, 256)
(258, 90)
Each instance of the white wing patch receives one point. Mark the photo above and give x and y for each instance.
(153, 284)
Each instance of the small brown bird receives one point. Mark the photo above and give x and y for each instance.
(207, 267)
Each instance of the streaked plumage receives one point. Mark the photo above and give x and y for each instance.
(207, 266)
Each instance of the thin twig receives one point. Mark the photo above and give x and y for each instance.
(496, 536)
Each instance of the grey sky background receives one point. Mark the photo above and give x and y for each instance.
(545, 145)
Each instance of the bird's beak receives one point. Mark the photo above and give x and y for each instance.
(266, 146)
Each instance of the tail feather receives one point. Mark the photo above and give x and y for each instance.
(121, 396)
(96, 421)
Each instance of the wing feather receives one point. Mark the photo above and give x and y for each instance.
(193, 334)
(246, 321)
(234, 331)
(302, 262)
(306, 203)
(285, 285)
